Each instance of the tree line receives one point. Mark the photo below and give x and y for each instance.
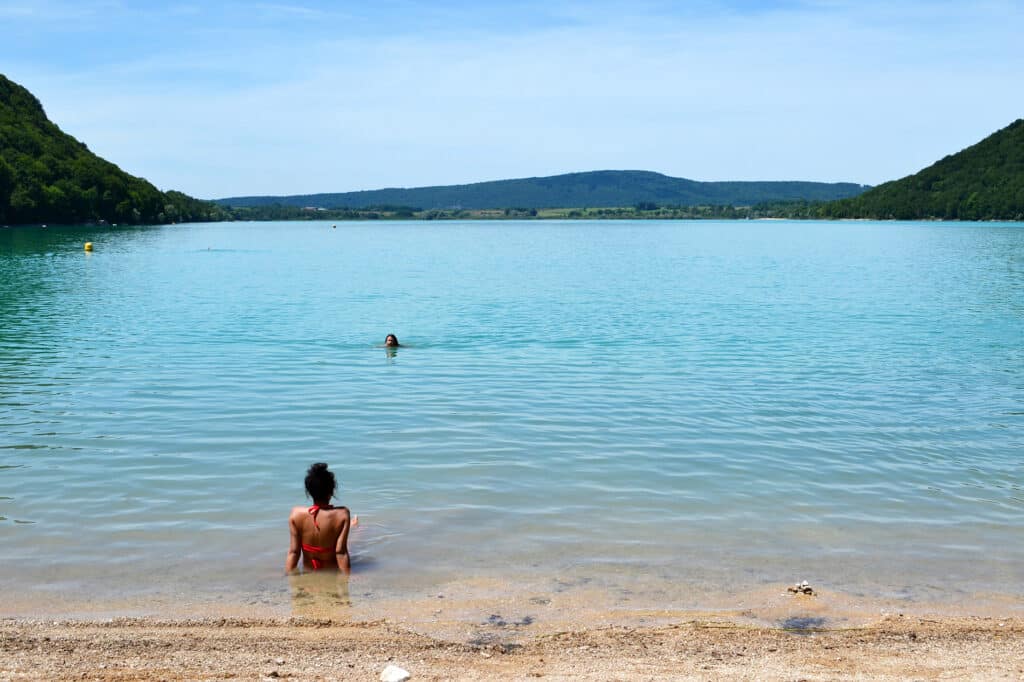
(47, 176)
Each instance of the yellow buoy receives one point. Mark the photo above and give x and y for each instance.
(88, 246)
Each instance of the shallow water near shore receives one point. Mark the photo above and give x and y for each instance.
(632, 415)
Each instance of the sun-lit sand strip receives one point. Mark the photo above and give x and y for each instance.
(464, 631)
(893, 648)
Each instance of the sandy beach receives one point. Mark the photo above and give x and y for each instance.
(894, 648)
(471, 629)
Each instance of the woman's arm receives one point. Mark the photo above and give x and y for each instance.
(341, 548)
(291, 561)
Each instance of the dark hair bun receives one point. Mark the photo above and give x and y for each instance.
(320, 483)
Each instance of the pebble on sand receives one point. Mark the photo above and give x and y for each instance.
(802, 588)
(393, 673)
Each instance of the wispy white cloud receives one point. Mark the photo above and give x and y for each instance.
(280, 8)
(49, 11)
(16, 11)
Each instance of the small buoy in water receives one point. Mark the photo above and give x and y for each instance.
(88, 246)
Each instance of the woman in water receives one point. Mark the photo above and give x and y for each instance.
(319, 534)
(391, 341)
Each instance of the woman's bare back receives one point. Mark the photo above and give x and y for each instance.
(320, 535)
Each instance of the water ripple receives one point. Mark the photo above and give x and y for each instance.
(672, 395)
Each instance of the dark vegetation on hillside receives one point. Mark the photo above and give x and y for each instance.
(983, 182)
(47, 176)
(599, 189)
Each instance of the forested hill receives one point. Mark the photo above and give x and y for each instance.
(595, 189)
(47, 176)
(982, 182)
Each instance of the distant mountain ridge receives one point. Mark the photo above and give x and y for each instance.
(982, 182)
(606, 188)
(47, 176)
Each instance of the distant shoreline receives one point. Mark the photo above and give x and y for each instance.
(561, 214)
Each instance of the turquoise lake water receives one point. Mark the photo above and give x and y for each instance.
(645, 408)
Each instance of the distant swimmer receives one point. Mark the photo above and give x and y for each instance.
(319, 534)
(391, 341)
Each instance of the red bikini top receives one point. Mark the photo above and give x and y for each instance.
(313, 511)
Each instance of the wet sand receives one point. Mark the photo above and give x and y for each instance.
(893, 648)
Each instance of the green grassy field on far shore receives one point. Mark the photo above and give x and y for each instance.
(793, 210)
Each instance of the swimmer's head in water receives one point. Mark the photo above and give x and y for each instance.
(320, 483)
(391, 341)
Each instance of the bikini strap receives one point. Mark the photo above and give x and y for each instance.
(316, 509)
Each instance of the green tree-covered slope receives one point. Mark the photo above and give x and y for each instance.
(982, 182)
(47, 176)
(594, 189)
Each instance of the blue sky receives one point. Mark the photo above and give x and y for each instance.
(232, 98)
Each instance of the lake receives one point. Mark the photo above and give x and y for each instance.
(668, 414)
